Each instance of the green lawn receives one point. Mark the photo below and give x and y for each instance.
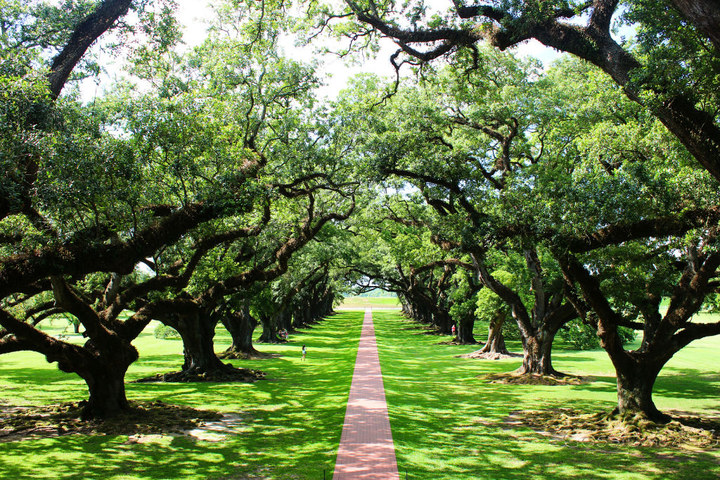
(361, 303)
(293, 420)
(450, 424)
(447, 422)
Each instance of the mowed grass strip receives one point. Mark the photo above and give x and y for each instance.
(291, 422)
(361, 303)
(450, 423)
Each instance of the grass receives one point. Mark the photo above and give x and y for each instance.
(293, 420)
(352, 303)
(448, 423)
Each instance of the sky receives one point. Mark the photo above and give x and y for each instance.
(193, 15)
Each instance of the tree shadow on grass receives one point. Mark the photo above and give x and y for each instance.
(449, 425)
(687, 383)
(292, 423)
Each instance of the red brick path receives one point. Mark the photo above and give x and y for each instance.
(367, 451)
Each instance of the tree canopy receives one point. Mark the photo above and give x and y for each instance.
(212, 185)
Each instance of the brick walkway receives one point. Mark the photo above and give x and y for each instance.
(367, 451)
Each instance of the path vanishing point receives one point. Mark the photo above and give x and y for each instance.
(367, 451)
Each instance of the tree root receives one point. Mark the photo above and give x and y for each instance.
(686, 432)
(515, 378)
(237, 355)
(455, 341)
(146, 418)
(223, 375)
(479, 354)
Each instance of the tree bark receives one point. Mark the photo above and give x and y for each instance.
(85, 34)
(197, 333)
(299, 318)
(537, 355)
(693, 127)
(241, 326)
(442, 321)
(270, 330)
(637, 370)
(496, 340)
(635, 381)
(284, 320)
(705, 15)
(549, 313)
(103, 368)
(465, 330)
(106, 384)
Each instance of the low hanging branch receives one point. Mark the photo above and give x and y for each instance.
(593, 42)
(84, 35)
(78, 257)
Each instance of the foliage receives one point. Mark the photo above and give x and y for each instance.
(662, 37)
(165, 332)
(489, 305)
(462, 298)
(712, 303)
(582, 336)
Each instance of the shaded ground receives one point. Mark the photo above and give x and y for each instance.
(685, 431)
(256, 355)
(512, 378)
(489, 355)
(144, 420)
(245, 375)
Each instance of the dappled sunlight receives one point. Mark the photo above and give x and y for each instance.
(449, 423)
(291, 422)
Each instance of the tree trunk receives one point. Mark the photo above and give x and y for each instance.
(298, 319)
(197, 330)
(197, 333)
(307, 315)
(651, 324)
(284, 320)
(302, 315)
(465, 330)
(241, 326)
(537, 355)
(496, 340)
(705, 15)
(270, 330)
(442, 321)
(327, 303)
(104, 373)
(310, 313)
(635, 383)
(107, 392)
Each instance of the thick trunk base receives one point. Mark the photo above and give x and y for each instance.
(107, 395)
(241, 326)
(634, 389)
(495, 343)
(535, 369)
(272, 339)
(537, 357)
(465, 331)
(243, 354)
(220, 375)
(634, 417)
(104, 374)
